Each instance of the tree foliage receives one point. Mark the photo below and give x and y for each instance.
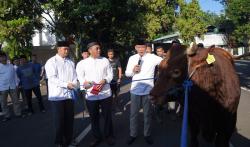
(111, 20)
(18, 20)
(190, 21)
(238, 12)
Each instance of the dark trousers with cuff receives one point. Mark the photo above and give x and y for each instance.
(63, 114)
(106, 108)
(28, 95)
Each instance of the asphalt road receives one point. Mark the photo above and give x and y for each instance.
(37, 130)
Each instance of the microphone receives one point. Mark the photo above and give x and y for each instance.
(139, 61)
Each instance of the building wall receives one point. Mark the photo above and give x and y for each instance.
(44, 37)
(43, 53)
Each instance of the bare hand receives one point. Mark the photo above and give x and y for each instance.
(137, 69)
(87, 84)
(102, 82)
(70, 86)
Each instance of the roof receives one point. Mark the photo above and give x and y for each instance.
(167, 37)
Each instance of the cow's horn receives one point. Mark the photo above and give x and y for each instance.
(192, 49)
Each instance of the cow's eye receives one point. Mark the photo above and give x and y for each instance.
(176, 73)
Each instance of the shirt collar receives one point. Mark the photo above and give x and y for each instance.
(94, 58)
(60, 58)
(143, 55)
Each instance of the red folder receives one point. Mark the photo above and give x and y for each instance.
(96, 89)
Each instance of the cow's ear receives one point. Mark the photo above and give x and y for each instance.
(192, 49)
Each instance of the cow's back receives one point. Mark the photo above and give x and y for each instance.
(215, 95)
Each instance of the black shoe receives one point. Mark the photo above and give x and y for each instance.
(21, 116)
(149, 140)
(30, 113)
(6, 119)
(95, 142)
(130, 140)
(110, 141)
(43, 111)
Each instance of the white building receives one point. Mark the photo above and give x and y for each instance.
(44, 37)
(209, 39)
(44, 41)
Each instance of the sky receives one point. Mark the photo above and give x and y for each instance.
(210, 5)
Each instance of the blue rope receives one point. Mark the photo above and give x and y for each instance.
(184, 131)
(74, 94)
(130, 81)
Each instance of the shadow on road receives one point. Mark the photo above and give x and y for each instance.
(243, 70)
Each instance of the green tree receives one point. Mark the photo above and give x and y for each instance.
(238, 12)
(18, 20)
(110, 21)
(156, 16)
(190, 21)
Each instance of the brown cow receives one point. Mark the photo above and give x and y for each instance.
(214, 96)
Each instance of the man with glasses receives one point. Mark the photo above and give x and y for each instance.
(95, 73)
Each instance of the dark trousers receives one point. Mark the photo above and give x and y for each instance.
(63, 114)
(28, 95)
(106, 107)
(115, 88)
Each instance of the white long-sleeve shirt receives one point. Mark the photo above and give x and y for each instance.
(95, 70)
(60, 71)
(148, 64)
(7, 77)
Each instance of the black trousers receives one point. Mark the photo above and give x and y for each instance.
(63, 114)
(106, 107)
(28, 95)
(115, 88)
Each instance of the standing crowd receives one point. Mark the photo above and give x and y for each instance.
(99, 81)
(20, 77)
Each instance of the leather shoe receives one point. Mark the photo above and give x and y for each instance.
(5, 119)
(95, 142)
(110, 141)
(148, 140)
(130, 140)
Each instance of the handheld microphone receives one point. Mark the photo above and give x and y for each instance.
(139, 61)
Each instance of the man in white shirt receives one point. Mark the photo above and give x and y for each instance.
(94, 74)
(141, 66)
(8, 86)
(62, 80)
(85, 55)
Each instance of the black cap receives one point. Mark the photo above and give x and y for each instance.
(62, 44)
(92, 43)
(140, 41)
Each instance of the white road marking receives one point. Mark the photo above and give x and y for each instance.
(244, 88)
(230, 144)
(81, 136)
